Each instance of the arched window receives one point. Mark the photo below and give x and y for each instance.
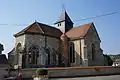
(72, 52)
(93, 51)
(18, 50)
(52, 56)
(33, 54)
(48, 57)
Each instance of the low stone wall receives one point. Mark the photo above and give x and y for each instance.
(68, 72)
(76, 71)
(83, 71)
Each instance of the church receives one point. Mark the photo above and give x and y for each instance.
(63, 45)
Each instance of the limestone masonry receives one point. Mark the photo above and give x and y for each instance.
(41, 45)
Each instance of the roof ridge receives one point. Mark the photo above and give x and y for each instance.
(29, 27)
(44, 24)
(40, 27)
(84, 24)
(79, 31)
(48, 25)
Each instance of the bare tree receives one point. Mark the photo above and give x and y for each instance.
(1, 48)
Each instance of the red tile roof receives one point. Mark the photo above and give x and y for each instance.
(40, 28)
(79, 31)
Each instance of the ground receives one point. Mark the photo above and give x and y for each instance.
(111, 77)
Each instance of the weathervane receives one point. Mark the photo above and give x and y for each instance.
(63, 7)
(35, 20)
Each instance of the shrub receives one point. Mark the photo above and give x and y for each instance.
(108, 60)
(41, 71)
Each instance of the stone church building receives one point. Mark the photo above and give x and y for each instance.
(60, 45)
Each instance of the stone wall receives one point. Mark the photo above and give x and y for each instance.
(83, 71)
(68, 72)
(19, 44)
(53, 43)
(32, 39)
(20, 39)
(44, 43)
(78, 58)
(93, 38)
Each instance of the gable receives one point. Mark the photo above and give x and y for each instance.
(92, 33)
(39, 28)
(33, 28)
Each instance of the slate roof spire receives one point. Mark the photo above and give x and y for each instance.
(64, 23)
(64, 17)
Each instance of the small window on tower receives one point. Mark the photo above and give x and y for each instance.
(60, 24)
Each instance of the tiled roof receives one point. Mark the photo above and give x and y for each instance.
(79, 31)
(40, 28)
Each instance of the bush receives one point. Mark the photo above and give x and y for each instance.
(41, 71)
(108, 60)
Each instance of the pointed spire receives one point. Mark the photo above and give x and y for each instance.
(64, 16)
(64, 23)
(63, 8)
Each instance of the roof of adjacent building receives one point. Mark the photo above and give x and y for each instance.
(39, 28)
(64, 17)
(79, 31)
(3, 61)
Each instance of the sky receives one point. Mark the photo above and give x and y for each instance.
(18, 14)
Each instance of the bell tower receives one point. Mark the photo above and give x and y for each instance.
(64, 23)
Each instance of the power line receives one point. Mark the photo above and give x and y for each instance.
(13, 24)
(73, 20)
(96, 16)
(93, 17)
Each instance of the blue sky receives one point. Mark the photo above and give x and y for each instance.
(17, 14)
